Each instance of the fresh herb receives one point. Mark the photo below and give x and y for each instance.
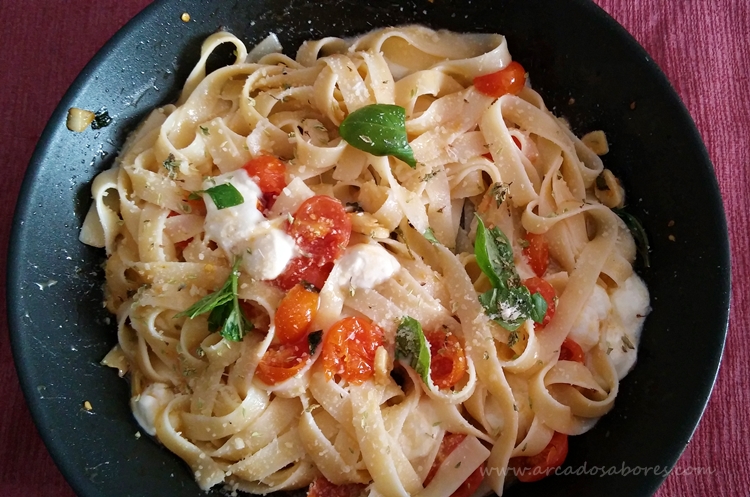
(204, 130)
(411, 347)
(509, 303)
(171, 165)
(639, 234)
(224, 195)
(101, 119)
(430, 235)
(379, 129)
(313, 340)
(427, 177)
(226, 316)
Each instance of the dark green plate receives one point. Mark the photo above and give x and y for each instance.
(570, 47)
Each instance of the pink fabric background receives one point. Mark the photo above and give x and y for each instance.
(700, 44)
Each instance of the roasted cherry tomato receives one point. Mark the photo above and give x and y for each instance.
(270, 175)
(281, 362)
(537, 253)
(295, 313)
(321, 487)
(533, 468)
(349, 349)
(448, 445)
(537, 284)
(510, 79)
(447, 362)
(303, 269)
(321, 228)
(571, 351)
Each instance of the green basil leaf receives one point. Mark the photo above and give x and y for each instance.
(225, 195)
(430, 235)
(538, 307)
(511, 307)
(411, 347)
(495, 256)
(313, 340)
(639, 234)
(379, 129)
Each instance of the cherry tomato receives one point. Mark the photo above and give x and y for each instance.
(281, 362)
(537, 253)
(349, 349)
(448, 362)
(448, 445)
(510, 79)
(181, 246)
(321, 228)
(295, 313)
(539, 285)
(534, 468)
(270, 175)
(571, 351)
(303, 269)
(321, 487)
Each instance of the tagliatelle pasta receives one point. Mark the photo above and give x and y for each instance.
(278, 289)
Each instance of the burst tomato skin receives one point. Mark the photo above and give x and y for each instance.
(448, 445)
(270, 175)
(536, 284)
(537, 253)
(321, 228)
(295, 313)
(448, 361)
(349, 349)
(571, 351)
(534, 468)
(509, 80)
(303, 268)
(281, 362)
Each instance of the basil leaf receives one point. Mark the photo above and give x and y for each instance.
(430, 235)
(538, 308)
(101, 120)
(226, 316)
(412, 347)
(379, 129)
(495, 256)
(225, 195)
(639, 234)
(313, 340)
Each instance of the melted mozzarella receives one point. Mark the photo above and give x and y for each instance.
(366, 266)
(586, 330)
(630, 305)
(243, 230)
(149, 404)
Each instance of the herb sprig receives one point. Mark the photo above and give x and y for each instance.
(224, 195)
(226, 316)
(509, 303)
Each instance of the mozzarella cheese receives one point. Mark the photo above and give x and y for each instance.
(149, 404)
(630, 305)
(243, 230)
(366, 266)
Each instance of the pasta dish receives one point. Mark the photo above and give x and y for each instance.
(382, 267)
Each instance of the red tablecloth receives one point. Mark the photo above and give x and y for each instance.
(700, 44)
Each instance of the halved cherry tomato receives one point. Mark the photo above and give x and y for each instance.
(448, 362)
(303, 269)
(349, 349)
(510, 79)
(448, 445)
(571, 351)
(537, 284)
(534, 468)
(181, 246)
(281, 362)
(321, 487)
(321, 228)
(295, 313)
(270, 175)
(537, 253)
